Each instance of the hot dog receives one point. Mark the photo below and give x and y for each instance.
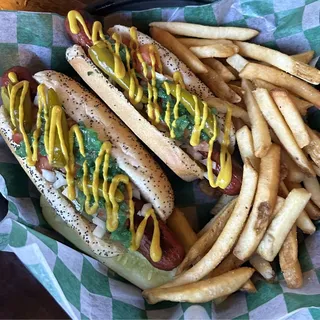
(157, 97)
(100, 182)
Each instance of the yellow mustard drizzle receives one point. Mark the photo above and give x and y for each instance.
(198, 123)
(134, 46)
(167, 117)
(13, 77)
(152, 53)
(176, 110)
(225, 174)
(177, 78)
(24, 87)
(155, 248)
(119, 69)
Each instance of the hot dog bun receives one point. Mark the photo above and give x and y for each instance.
(144, 172)
(165, 148)
(130, 265)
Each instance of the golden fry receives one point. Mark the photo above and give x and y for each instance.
(218, 50)
(220, 68)
(263, 267)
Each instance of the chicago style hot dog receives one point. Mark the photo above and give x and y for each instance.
(107, 194)
(159, 99)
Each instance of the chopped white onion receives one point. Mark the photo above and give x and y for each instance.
(145, 208)
(99, 232)
(97, 221)
(136, 193)
(194, 154)
(36, 99)
(50, 176)
(162, 77)
(61, 180)
(139, 213)
(204, 161)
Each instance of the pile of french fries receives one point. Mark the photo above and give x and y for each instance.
(270, 93)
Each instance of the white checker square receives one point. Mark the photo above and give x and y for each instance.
(310, 18)
(8, 34)
(34, 57)
(287, 5)
(312, 245)
(273, 309)
(293, 44)
(126, 293)
(6, 225)
(172, 313)
(310, 284)
(74, 264)
(76, 312)
(234, 306)
(227, 11)
(172, 14)
(95, 306)
(300, 314)
(47, 253)
(267, 26)
(60, 37)
(196, 312)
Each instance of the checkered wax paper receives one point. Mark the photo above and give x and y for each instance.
(84, 287)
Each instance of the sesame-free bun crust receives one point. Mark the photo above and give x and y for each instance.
(82, 106)
(164, 147)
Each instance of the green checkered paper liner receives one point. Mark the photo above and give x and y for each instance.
(84, 287)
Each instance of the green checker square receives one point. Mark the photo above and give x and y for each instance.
(13, 208)
(237, 23)
(201, 15)
(141, 19)
(121, 310)
(318, 273)
(265, 292)
(271, 44)
(242, 317)
(304, 258)
(256, 8)
(18, 235)
(296, 301)
(313, 36)
(59, 62)
(84, 317)
(4, 240)
(50, 243)
(289, 22)
(160, 306)
(94, 281)
(35, 28)
(310, 1)
(70, 285)
(13, 173)
(182, 317)
(183, 192)
(315, 313)
(11, 52)
(42, 222)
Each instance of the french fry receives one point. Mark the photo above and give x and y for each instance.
(237, 62)
(238, 90)
(231, 262)
(180, 226)
(259, 126)
(301, 104)
(275, 120)
(196, 42)
(249, 287)
(229, 234)
(292, 116)
(233, 71)
(313, 210)
(263, 267)
(181, 51)
(218, 50)
(245, 145)
(289, 263)
(282, 223)
(279, 60)
(316, 169)
(202, 291)
(222, 107)
(279, 78)
(294, 172)
(220, 68)
(238, 123)
(223, 201)
(216, 84)
(305, 57)
(312, 186)
(304, 223)
(200, 31)
(264, 204)
(313, 149)
(207, 239)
